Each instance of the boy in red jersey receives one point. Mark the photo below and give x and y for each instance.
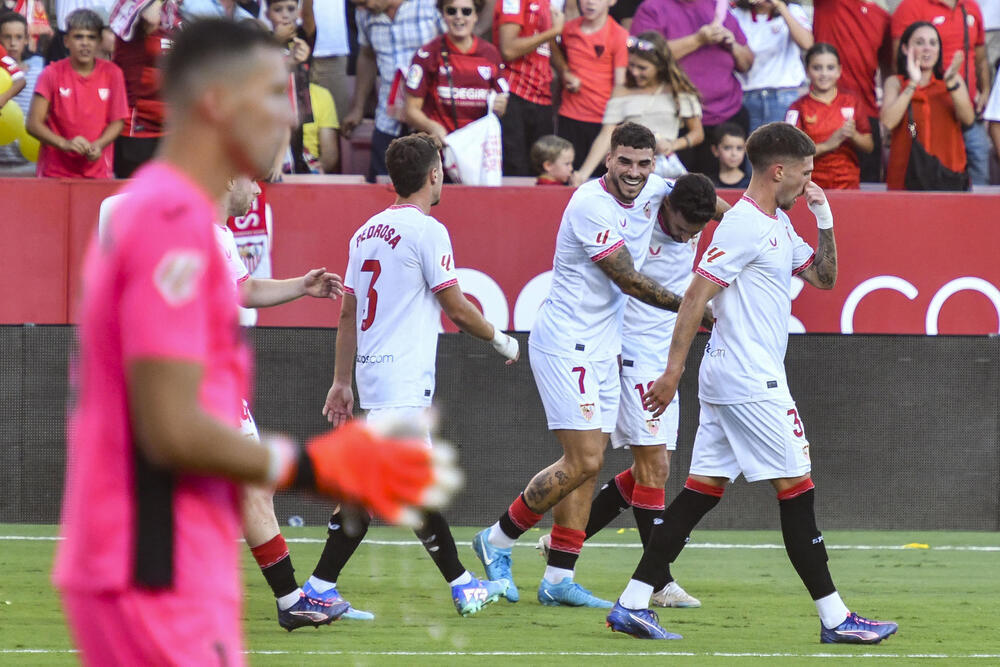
(79, 107)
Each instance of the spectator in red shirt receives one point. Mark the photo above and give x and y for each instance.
(939, 101)
(960, 24)
(79, 106)
(830, 117)
(524, 31)
(451, 76)
(859, 29)
(596, 58)
(144, 31)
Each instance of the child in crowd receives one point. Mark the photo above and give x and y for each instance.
(552, 160)
(596, 57)
(79, 107)
(829, 117)
(730, 148)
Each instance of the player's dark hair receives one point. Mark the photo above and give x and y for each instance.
(632, 135)
(818, 49)
(778, 141)
(547, 149)
(207, 43)
(694, 198)
(728, 130)
(478, 4)
(904, 40)
(84, 19)
(409, 161)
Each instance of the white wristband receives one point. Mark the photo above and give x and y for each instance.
(504, 344)
(824, 216)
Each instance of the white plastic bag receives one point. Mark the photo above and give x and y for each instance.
(473, 155)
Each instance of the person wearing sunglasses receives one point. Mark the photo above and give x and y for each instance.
(451, 75)
(656, 94)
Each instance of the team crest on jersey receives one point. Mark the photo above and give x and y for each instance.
(653, 426)
(587, 410)
(103, 93)
(414, 75)
(485, 71)
(251, 254)
(648, 210)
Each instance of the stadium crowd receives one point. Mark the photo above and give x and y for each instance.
(865, 79)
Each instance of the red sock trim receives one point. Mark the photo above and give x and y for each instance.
(648, 498)
(271, 552)
(521, 514)
(705, 489)
(797, 490)
(626, 484)
(567, 539)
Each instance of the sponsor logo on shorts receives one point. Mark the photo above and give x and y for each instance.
(653, 426)
(587, 410)
(375, 359)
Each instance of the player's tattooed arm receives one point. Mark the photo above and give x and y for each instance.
(620, 268)
(822, 273)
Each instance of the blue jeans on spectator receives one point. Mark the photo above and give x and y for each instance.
(977, 152)
(768, 105)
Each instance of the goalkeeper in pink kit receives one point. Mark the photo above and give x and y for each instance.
(155, 457)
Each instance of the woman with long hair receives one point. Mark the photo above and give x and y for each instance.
(657, 94)
(939, 101)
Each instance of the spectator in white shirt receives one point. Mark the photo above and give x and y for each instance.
(777, 32)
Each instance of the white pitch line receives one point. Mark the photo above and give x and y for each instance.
(606, 545)
(582, 654)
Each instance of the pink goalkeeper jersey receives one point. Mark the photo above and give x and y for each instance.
(156, 288)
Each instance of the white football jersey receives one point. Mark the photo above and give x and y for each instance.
(753, 256)
(647, 330)
(227, 243)
(582, 316)
(399, 260)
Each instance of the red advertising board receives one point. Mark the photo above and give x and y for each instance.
(909, 263)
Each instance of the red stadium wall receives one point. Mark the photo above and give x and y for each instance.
(909, 263)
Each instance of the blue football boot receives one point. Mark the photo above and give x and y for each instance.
(332, 596)
(496, 562)
(473, 596)
(309, 611)
(640, 623)
(857, 630)
(568, 593)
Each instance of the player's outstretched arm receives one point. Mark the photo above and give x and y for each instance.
(689, 318)
(822, 273)
(619, 267)
(265, 292)
(339, 405)
(468, 318)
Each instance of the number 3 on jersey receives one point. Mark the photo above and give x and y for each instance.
(371, 299)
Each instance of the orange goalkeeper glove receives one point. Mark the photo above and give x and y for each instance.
(384, 474)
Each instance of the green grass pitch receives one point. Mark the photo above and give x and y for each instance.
(946, 599)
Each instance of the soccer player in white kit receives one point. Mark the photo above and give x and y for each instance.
(749, 424)
(689, 205)
(575, 343)
(260, 526)
(400, 276)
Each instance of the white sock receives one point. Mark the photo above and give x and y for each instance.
(636, 595)
(555, 575)
(286, 601)
(500, 539)
(465, 578)
(321, 585)
(832, 610)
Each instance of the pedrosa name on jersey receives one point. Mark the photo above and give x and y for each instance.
(384, 232)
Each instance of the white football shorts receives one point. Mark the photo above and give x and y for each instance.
(248, 427)
(762, 440)
(577, 395)
(635, 426)
(415, 414)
